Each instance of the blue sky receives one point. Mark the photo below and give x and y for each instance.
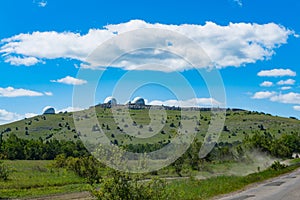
(254, 45)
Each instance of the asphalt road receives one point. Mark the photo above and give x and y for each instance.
(286, 187)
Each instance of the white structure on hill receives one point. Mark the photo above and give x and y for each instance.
(48, 110)
(110, 101)
(138, 101)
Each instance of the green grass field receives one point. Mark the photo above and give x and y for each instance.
(37, 178)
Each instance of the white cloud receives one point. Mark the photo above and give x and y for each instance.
(70, 81)
(48, 93)
(8, 117)
(263, 95)
(289, 98)
(286, 88)
(277, 73)
(12, 92)
(233, 45)
(266, 84)
(286, 82)
(194, 102)
(40, 3)
(29, 115)
(17, 60)
(238, 2)
(297, 108)
(70, 109)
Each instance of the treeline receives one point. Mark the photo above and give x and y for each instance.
(14, 148)
(280, 147)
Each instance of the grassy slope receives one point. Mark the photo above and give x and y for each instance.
(61, 126)
(36, 178)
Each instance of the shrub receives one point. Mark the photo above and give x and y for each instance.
(277, 166)
(4, 171)
(86, 167)
(122, 186)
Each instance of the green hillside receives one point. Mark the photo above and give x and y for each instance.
(238, 123)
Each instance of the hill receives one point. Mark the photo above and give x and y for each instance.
(238, 124)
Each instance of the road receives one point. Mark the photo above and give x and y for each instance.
(286, 187)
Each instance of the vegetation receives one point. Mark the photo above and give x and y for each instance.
(122, 186)
(282, 146)
(45, 138)
(14, 148)
(206, 189)
(4, 171)
(30, 178)
(85, 167)
(238, 125)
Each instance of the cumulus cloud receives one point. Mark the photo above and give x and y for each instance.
(238, 2)
(277, 73)
(20, 92)
(236, 44)
(7, 117)
(48, 93)
(286, 88)
(70, 109)
(194, 102)
(297, 108)
(70, 81)
(266, 84)
(286, 82)
(17, 60)
(263, 95)
(40, 3)
(289, 98)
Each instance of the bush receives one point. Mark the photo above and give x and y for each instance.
(86, 167)
(277, 166)
(4, 171)
(122, 186)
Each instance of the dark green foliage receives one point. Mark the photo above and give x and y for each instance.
(15, 148)
(4, 171)
(172, 125)
(280, 147)
(277, 166)
(122, 186)
(86, 167)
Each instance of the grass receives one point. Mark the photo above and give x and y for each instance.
(238, 123)
(36, 178)
(42, 191)
(206, 189)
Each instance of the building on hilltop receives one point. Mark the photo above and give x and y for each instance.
(110, 100)
(138, 101)
(48, 110)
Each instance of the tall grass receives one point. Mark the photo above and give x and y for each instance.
(206, 189)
